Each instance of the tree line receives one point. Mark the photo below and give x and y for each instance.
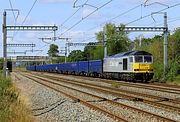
(118, 42)
(155, 46)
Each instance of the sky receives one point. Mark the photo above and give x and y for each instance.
(75, 21)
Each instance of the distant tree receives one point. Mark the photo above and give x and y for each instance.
(99, 52)
(116, 41)
(174, 54)
(76, 55)
(60, 59)
(174, 45)
(53, 50)
(89, 51)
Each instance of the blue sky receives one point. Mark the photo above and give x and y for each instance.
(50, 12)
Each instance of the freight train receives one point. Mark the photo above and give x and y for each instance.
(129, 66)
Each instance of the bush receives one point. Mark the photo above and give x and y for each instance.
(158, 71)
(172, 71)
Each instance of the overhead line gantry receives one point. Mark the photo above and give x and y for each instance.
(152, 29)
(19, 28)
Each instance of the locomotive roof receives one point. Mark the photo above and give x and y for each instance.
(129, 54)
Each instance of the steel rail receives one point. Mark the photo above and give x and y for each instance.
(136, 93)
(112, 102)
(110, 90)
(138, 85)
(80, 100)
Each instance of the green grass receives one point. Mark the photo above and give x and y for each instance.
(11, 108)
(176, 81)
(7, 97)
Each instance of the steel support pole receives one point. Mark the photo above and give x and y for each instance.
(4, 44)
(54, 35)
(105, 42)
(65, 53)
(66, 49)
(165, 43)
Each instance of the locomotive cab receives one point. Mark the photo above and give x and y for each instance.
(143, 67)
(142, 63)
(129, 66)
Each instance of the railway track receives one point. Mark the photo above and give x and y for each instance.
(42, 78)
(152, 86)
(150, 99)
(155, 86)
(76, 99)
(174, 89)
(166, 85)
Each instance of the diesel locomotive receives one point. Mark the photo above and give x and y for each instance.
(129, 66)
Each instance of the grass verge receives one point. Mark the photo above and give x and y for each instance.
(176, 81)
(11, 108)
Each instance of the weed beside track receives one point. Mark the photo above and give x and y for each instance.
(11, 108)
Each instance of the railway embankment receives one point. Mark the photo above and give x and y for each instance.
(57, 97)
(49, 105)
(12, 106)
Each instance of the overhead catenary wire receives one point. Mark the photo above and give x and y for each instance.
(151, 14)
(177, 19)
(29, 12)
(146, 2)
(70, 16)
(52, 42)
(86, 17)
(88, 39)
(136, 19)
(15, 33)
(142, 16)
(119, 15)
(12, 10)
(169, 21)
(41, 48)
(74, 12)
(74, 5)
(15, 18)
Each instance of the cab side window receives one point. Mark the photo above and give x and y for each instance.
(130, 59)
(125, 64)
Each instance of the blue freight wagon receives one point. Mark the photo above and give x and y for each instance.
(95, 67)
(52, 67)
(61, 68)
(72, 67)
(83, 67)
(33, 68)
